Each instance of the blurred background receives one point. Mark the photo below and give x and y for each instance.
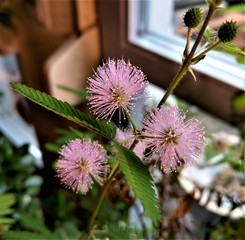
(51, 45)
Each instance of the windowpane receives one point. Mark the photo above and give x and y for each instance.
(160, 29)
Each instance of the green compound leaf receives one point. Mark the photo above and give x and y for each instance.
(36, 225)
(22, 235)
(230, 48)
(119, 231)
(210, 35)
(65, 110)
(7, 200)
(139, 178)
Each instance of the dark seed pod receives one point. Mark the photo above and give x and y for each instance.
(227, 31)
(193, 17)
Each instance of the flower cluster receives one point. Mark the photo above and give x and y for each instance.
(81, 162)
(117, 85)
(164, 135)
(176, 141)
(126, 138)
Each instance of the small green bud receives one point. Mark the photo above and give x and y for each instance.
(227, 31)
(193, 17)
(215, 3)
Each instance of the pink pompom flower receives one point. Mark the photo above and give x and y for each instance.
(126, 138)
(173, 139)
(116, 85)
(80, 162)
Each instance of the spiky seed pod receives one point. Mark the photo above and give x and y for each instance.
(193, 17)
(227, 31)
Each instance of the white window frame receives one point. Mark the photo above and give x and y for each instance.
(218, 65)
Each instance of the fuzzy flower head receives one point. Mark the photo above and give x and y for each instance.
(116, 85)
(176, 141)
(80, 162)
(126, 138)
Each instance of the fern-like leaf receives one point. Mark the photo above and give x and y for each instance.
(119, 231)
(6, 201)
(22, 235)
(65, 110)
(36, 225)
(230, 48)
(210, 35)
(139, 178)
(6, 221)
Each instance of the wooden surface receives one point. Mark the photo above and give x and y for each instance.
(86, 13)
(56, 15)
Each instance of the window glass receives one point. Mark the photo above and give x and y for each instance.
(158, 26)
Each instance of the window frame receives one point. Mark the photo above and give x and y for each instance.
(208, 93)
(170, 46)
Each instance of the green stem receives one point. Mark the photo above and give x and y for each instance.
(187, 62)
(188, 40)
(110, 178)
(114, 171)
(207, 50)
(135, 129)
(200, 35)
(174, 83)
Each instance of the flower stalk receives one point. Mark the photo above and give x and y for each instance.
(187, 47)
(113, 173)
(189, 58)
(207, 50)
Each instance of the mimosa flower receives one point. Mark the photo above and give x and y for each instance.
(177, 142)
(126, 138)
(116, 85)
(80, 162)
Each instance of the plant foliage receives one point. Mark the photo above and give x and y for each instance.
(37, 230)
(65, 110)
(10, 235)
(6, 202)
(36, 225)
(139, 178)
(119, 231)
(230, 48)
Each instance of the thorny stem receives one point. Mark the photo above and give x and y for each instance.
(188, 60)
(113, 173)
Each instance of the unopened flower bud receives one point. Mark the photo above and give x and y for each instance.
(227, 31)
(215, 3)
(193, 17)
